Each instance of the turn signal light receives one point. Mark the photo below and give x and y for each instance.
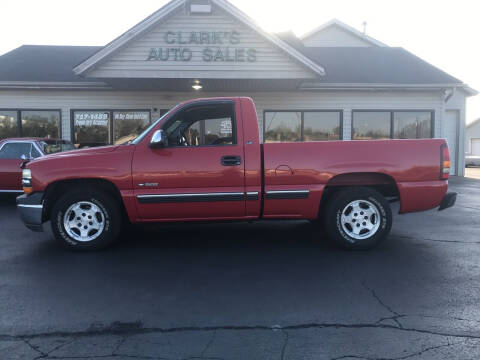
(27, 181)
(444, 162)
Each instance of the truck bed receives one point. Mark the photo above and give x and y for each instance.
(413, 165)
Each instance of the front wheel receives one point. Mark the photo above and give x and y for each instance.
(358, 218)
(86, 220)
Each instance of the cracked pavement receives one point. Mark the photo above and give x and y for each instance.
(272, 290)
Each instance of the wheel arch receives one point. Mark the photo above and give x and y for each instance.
(381, 182)
(56, 189)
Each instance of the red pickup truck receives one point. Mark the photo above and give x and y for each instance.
(203, 161)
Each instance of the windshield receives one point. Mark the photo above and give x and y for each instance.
(52, 147)
(145, 133)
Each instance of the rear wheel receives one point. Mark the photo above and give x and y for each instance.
(358, 218)
(86, 220)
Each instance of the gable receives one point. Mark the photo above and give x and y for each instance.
(335, 36)
(191, 46)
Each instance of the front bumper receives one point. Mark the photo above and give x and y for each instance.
(448, 201)
(30, 208)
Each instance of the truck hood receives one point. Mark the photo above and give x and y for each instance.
(76, 153)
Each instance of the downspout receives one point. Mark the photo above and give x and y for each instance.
(447, 96)
(449, 93)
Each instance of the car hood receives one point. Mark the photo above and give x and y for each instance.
(76, 153)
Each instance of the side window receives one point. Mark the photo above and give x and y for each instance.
(35, 152)
(15, 150)
(207, 125)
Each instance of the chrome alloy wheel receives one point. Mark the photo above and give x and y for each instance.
(360, 219)
(84, 221)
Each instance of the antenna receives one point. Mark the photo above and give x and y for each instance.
(364, 27)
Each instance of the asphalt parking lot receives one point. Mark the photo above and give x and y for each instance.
(272, 290)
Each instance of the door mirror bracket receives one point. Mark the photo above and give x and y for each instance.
(158, 140)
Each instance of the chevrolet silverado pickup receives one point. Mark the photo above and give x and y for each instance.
(203, 161)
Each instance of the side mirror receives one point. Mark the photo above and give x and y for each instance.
(158, 140)
(25, 157)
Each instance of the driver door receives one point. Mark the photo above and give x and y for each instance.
(200, 174)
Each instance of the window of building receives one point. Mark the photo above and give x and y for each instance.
(33, 123)
(104, 127)
(373, 125)
(370, 125)
(127, 125)
(291, 126)
(322, 126)
(91, 128)
(412, 125)
(211, 125)
(8, 124)
(283, 126)
(40, 123)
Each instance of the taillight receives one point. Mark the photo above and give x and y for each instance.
(444, 162)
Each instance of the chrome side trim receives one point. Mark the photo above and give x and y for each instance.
(205, 197)
(213, 197)
(30, 206)
(252, 195)
(287, 194)
(11, 191)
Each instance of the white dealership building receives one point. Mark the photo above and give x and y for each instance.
(334, 83)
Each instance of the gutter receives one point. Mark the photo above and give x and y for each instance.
(385, 86)
(42, 85)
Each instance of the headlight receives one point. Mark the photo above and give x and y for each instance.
(27, 174)
(27, 181)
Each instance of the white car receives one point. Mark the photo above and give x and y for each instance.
(472, 160)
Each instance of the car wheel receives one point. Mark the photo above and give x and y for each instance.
(358, 218)
(86, 220)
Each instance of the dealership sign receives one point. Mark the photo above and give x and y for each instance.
(217, 46)
(91, 118)
(129, 115)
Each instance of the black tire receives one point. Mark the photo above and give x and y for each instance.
(112, 219)
(340, 234)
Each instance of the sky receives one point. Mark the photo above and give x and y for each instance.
(444, 33)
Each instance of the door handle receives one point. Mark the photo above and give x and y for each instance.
(231, 160)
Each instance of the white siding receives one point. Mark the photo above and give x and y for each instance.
(334, 36)
(458, 103)
(346, 101)
(132, 61)
(451, 129)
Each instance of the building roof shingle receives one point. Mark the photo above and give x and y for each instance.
(371, 65)
(343, 65)
(42, 63)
